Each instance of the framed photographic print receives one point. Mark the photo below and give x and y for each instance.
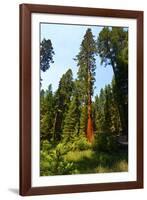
(81, 99)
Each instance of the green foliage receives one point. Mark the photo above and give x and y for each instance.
(60, 159)
(83, 120)
(99, 111)
(112, 45)
(107, 110)
(87, 64)
(71, 122)
(46, 114)
(62, 100)
(106, 165)
(121, 166)
(107, 119)
(80, 143)
(46, 146)
(89, 161)
(105, 142)
(46, 54)
(52, 161)
(77, 156)
(64, 114)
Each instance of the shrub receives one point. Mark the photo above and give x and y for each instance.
(52, 161)
(45, 145)
(76, 156)
(105, 142)
(80, 143)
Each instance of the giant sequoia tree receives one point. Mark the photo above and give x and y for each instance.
(113, 50)
(86, 76)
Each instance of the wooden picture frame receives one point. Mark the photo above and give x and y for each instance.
(26, 11)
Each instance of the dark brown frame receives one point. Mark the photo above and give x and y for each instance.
(25, 99)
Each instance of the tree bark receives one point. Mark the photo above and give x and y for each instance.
(90, 133)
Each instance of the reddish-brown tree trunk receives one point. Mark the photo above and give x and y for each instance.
(90, 133)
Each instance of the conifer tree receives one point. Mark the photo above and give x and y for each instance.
(99, 111)
(46, 113)
(83, 120)
(71, 122)
(62, 100)
(86, 75)
(46, 54)
(107, 119)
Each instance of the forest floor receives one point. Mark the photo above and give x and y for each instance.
(89, 161)
(61, 160)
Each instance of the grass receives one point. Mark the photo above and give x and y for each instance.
(76, 156)
(89, 161)
(121, 166)
(63, 160)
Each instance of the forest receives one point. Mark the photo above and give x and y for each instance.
(81, 133)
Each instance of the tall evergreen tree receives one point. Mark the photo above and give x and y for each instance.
(83, 120)
(86, 76)
(46, 54)
(62, 100)
(99, 111)
(107, 119)
(113, 50)
(46, 113)
(71, 122)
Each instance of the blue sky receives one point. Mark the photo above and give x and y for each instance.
(66, 40)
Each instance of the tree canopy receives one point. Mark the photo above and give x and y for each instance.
(46, 54)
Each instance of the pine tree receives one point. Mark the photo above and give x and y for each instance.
(99, 111)
(71, 122)
(62, 100)
(83, 120)
(107, 119)
(46, 114)
(46, 54)
(86, 73)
